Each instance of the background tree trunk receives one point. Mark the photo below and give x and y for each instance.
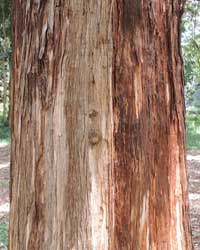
(98, 135)
(4, 93)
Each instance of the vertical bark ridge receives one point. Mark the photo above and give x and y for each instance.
(61, 133)
(97, 126)
(149, 170)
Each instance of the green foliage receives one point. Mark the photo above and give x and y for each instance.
(4, 133)
(193, 130)
(4, 128)
(191, 56)
(5, 61)
(5, 30)
(191, 49)
(4, 235)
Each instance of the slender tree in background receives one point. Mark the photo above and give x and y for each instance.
(5, 49)
(98, 135)
(4, 94)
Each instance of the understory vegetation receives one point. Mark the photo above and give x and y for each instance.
(3, 236)
(191, 56)
(4, 128)
(5, 62)
(193, 130)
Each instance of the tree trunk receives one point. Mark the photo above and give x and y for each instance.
(4, 94)
(98, 134)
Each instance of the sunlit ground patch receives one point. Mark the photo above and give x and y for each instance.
(193, 157)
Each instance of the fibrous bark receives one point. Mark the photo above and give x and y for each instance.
(98, 135)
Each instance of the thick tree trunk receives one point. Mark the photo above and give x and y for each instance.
(98, 135)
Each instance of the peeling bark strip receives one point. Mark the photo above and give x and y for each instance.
(149, 173)
(98, 126)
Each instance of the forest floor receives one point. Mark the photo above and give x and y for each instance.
(193, 158)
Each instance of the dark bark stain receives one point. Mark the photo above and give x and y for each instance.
(143, 65)
(131, 14)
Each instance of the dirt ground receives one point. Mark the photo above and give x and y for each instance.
(193, 158)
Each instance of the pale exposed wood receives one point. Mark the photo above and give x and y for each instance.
(98, 156)
(61, 150)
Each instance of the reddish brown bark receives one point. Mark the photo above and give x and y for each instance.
(98, 135)
(149, 171)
